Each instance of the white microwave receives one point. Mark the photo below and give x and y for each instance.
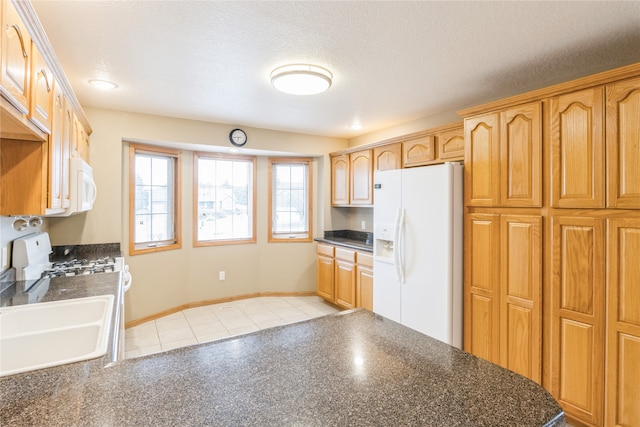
(82, 188)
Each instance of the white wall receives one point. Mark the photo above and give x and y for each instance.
(165, 280)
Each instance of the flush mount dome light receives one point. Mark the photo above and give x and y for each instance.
(103, 84)
(301, 79)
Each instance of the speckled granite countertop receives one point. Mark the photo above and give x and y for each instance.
(350, 369)
(358, 240)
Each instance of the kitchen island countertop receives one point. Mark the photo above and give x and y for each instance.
(353, 369)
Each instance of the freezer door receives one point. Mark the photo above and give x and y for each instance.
(387, 201)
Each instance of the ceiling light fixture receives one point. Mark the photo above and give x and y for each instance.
(301, 79)
(355, 126)
(103, 84)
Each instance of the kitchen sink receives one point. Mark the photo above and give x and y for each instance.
(36, 336)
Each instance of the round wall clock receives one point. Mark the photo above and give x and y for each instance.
(238, 137)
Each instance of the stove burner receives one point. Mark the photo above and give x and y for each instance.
(81, 267)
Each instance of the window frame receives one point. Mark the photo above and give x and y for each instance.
(176, 155)
(222, 156)
(291, 237)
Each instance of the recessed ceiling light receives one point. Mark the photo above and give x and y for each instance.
(301, 79)
(355, 126)
(103, 84)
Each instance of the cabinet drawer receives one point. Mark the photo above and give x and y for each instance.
(346, 254)
(326, 250)
(365, 259)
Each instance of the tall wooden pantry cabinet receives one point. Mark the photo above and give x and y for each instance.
(552, 241)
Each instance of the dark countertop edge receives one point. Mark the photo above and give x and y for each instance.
(353, 244)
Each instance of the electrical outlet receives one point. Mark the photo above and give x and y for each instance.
(221, 275)
(363, 225)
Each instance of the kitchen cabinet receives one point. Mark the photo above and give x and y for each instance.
(364, 282)
(361, 178)
(451, 144)
(15, 58)
(79, 141)
(388, 156)
(325, 272)
(59, 154)
(345, 277)
(340, 180)
(418, 151)
(623, 144)
(623, 323)
(503, 291)
(578, 315)
(352, 179)
(573, 228)
(577, 149)
(40, 111)
(504, 157)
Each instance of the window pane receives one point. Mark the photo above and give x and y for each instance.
(225, 199)
(154, 198)
(290, 200)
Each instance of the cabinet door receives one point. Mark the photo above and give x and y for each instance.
(80, 141)
(67, 137)
(481, 286)
(364, 284)
(577, 149)
(361, 178)
(521, 295)
(482, 160)
(521, 154)
(451, 145)
(387, 157)
(418, 151)
(345, 278)
(23, 166)
(15, 57)
(623, 323)
(56, 148)
(623, 144)
(41, 91)
(340, 180)
(577, 317)
(325, 278)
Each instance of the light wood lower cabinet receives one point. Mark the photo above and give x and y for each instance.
(503, 291)
(578, 316)
(623, 323)
(342, 279)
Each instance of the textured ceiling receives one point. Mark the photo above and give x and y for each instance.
(392, 62)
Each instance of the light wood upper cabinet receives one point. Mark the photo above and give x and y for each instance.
(482, 286)
(623, 323)
(418, 151)
(80, 141)
(521, 295)
(59, 146)
(361, 174)
(40, 111)
(521, 155)
(23, 177)
(451, 145)
(340, 180)
(482, 160)
(577, 149)
(578, 298)
(15, 58)
(623, 144)
(387, 157)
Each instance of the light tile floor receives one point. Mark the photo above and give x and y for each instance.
(217, 321)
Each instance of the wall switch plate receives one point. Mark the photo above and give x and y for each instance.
(363, 225)
(221, 275)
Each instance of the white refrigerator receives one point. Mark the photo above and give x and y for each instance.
(417, 272)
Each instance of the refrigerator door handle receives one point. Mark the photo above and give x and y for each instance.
(399, 246)
(396, 244)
